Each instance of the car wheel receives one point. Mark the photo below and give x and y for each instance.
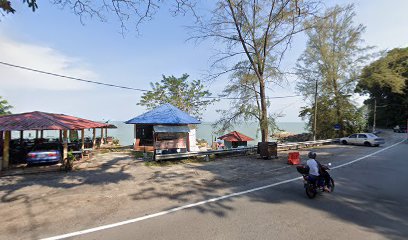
(344, 142)
(368, 144)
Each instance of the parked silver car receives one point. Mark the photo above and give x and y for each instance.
(44, 153)
(367, 139)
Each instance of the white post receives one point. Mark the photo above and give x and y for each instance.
(65, 141)
(82, 139)
(102, 137)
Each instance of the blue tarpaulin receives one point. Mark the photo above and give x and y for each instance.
(164, 114)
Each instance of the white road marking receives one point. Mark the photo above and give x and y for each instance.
(90, 230)
(369, 155)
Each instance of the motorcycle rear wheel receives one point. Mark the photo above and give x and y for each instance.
(310, 191)
(331, 185)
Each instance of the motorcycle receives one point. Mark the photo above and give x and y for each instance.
(313, 186)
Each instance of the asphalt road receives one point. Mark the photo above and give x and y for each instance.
(370, 202)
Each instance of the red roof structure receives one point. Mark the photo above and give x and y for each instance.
(45, 121)
(235, 137)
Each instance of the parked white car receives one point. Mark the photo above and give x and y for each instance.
(367, 139)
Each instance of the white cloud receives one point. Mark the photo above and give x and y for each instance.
(41, 58)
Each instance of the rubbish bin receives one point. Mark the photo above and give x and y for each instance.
(268, 150)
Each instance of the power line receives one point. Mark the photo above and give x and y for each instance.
(72, 78)
(114, 85)
(237, 98)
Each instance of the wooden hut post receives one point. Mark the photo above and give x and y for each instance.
(42, 133)
(102, 137)
(6, 148)
(106, 132)
(1, 138)
(94, 138)
(82, 139)
(65, 141)
(135, 143)
(36, 134)
(60, 135)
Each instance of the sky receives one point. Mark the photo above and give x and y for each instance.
(54, 40)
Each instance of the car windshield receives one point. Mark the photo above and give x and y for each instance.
(372, 135)
(46, 147)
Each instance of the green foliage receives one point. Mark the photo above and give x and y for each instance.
(4, 107)
(333, 57)
(187, 96)
(69, 162)
(115, 141)
(138, 155)
(71, 156)
(386, 82)
(355, 120)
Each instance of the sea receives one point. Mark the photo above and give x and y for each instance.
(205, 130)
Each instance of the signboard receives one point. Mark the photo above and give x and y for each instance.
(337, 127)
(171, 140)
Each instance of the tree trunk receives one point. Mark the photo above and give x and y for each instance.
(264, 111)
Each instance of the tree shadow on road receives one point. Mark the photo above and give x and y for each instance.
(55, 181)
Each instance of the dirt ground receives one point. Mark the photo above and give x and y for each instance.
(115, 187)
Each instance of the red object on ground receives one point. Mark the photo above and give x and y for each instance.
(294, 158)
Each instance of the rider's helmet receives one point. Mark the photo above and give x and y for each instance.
(312, 155)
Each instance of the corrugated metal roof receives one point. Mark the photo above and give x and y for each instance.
(45, 121)
(173, 129)
(235, 137)
(164, 114)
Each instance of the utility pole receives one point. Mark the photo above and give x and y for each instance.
(315, 113)
(375, 113)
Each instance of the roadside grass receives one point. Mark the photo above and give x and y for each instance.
(141, 155)
(165, 163)
(109, 149)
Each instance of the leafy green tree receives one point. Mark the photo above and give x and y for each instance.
(386, 82)
(187, 96)
(4, 107)
(331, 63)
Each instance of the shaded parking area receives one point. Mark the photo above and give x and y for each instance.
(34, 148)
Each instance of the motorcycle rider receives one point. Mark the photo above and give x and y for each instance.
(314, 173)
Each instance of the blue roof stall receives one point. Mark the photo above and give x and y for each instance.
(164, 130)
(164, 114)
